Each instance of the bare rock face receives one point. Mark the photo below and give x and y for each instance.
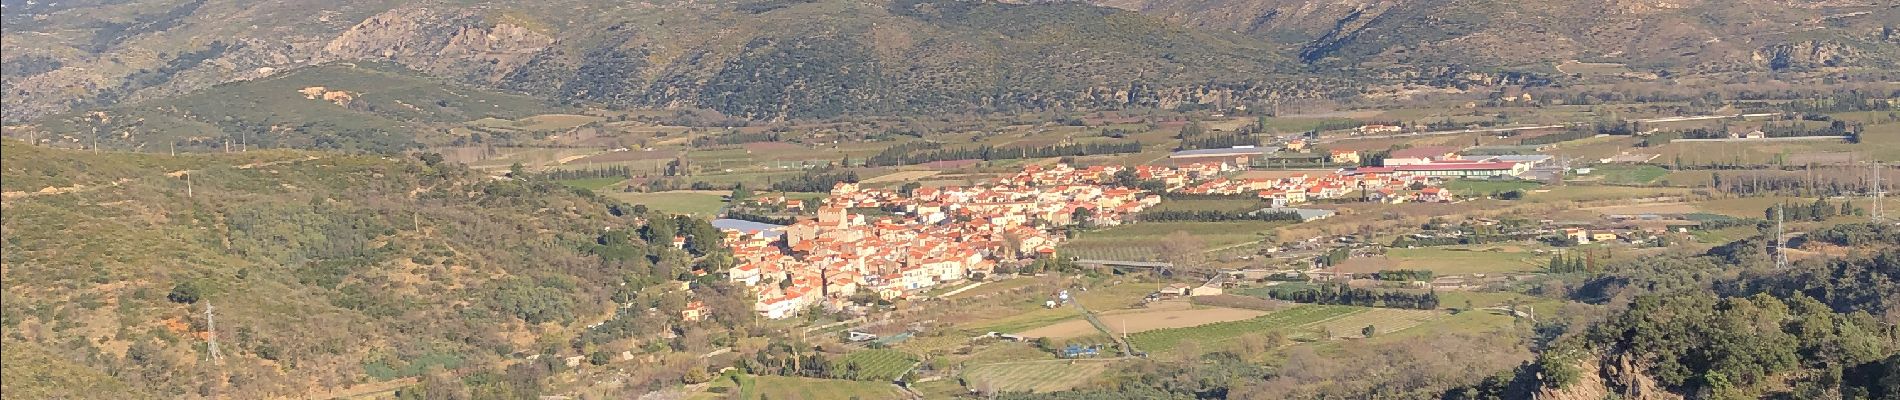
(1805, 55)
(1622, 377)
(453, 43)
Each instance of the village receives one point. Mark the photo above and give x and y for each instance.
(944, 235)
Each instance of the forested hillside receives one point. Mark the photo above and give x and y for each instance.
(325, 271)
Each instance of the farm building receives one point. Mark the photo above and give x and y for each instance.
(1419, 155)
(1080, 351)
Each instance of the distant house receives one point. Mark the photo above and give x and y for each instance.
(1580, 235)
(1176, 290)
(1372, 129)
(1338, 156)
(695, 311)
(1434, 195)
(856, 336)
(1602, 236)
(1080, 351)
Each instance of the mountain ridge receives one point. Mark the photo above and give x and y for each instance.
(780, 59)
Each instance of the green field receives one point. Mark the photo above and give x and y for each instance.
(748, 387)
(1630, 175)
(1465, 260)
(1383, 320)
(1113, 297)
(1163, 340)
(882, 365)
(1035, 376)
(680, 202)
(1022, 321)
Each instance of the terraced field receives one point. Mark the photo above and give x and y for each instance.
(1035, 376)
(1288, 320)
(876, 364)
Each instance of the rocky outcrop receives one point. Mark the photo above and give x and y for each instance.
(1805, 55)
(452, 43)
(1620, 377)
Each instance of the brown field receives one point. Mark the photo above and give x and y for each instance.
(1143, 320)
(1824, 158)
(902, 176)
(619, 156)
(1659, 208)
(771, 146)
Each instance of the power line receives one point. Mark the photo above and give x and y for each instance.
(1880, 191)
(1781, 240)
(211, 330)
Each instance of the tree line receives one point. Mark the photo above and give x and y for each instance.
(819, 180)
(1341, 294)
(613, 171)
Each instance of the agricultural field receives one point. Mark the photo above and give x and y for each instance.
(1023, 321)
(704, 203)
(1035, 376)
(1288, 320)
(1476, 187)
(1113, 297)
(926, 345)
(748, 387)
(1137, 241)
(901, 176)
(1452, 260)
(532, 158)
(1209, 205)
(1003, 351)
(1597, 193)
(1383, 321)
(1137, 321)
(882, 365)
(1754, 207)
(1882, 142)
(1626, 174)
